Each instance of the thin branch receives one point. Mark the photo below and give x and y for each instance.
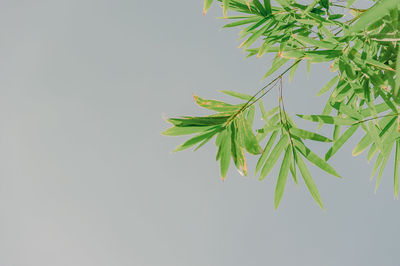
(373, 118)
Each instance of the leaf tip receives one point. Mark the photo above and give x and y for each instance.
(241, 45)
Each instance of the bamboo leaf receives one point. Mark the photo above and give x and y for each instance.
(180, 131)
(225, 152)
(314, 42)
(193, 141)
(329, 119)
(267, 5)
(362, 145)
(254, 37)
(309, 181)
(396, 89)
(375, 13)
(274, 156)
(384, 162)
(315, 159)
(225, 5)
(207, 4)
(293, 71)
(266, 151)
(249, 139)
(329, 85)
(260, 7)
(340, 141)
(238, 95)
(282, 178)
(375, 135)
(216, 105)
(304, 134)
(238, 152)
(250, 19)
(278, 62)
(198, 121)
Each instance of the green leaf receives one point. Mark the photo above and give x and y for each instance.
(225, 5)
(375, 135)
(378, 162)
(267, 5)
(254, 37)
(238, 152)
(225, 152)
(193, 141)
(266, 115)
(238, 95)
(340, 141)
(207, 4)
(283, 3)
(396, 89)
(266, 151)
(349, 111)
(216, 105)
(250, 19)
(329, 85)
(373, 14)
(293, 167)
(350, 3)
(198, 121)
(314, 42)
(309, 181)
(385, 160)
(282, 178)
(304, 134)
(274, 156)
(265, 48)
(322, 55)
(372, 152)
(362, 145)
(250, 140)
(315, 159)
(260, 7)
(278, 62)
(367, 140)
(250, 116)
(336, 132)
(329, 119)
(293, 71)
(180, 131)
(335, 16)
(324, 3)
(378, 108)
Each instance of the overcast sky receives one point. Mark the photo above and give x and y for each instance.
(86, 179)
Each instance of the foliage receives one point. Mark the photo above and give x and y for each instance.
(364, 94)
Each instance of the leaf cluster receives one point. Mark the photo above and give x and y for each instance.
(364, 94)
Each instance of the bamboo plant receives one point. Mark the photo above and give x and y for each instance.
(364, 94)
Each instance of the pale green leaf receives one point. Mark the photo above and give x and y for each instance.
(207, 4)
(266, 151)
(309, 181)
(282, 178)
(305, 134)
(274, 156)
(340, 141)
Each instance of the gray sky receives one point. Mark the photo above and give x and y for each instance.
(87, 179)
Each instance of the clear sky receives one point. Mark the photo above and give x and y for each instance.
(86, 179)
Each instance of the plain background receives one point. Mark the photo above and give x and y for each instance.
(87, 179)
